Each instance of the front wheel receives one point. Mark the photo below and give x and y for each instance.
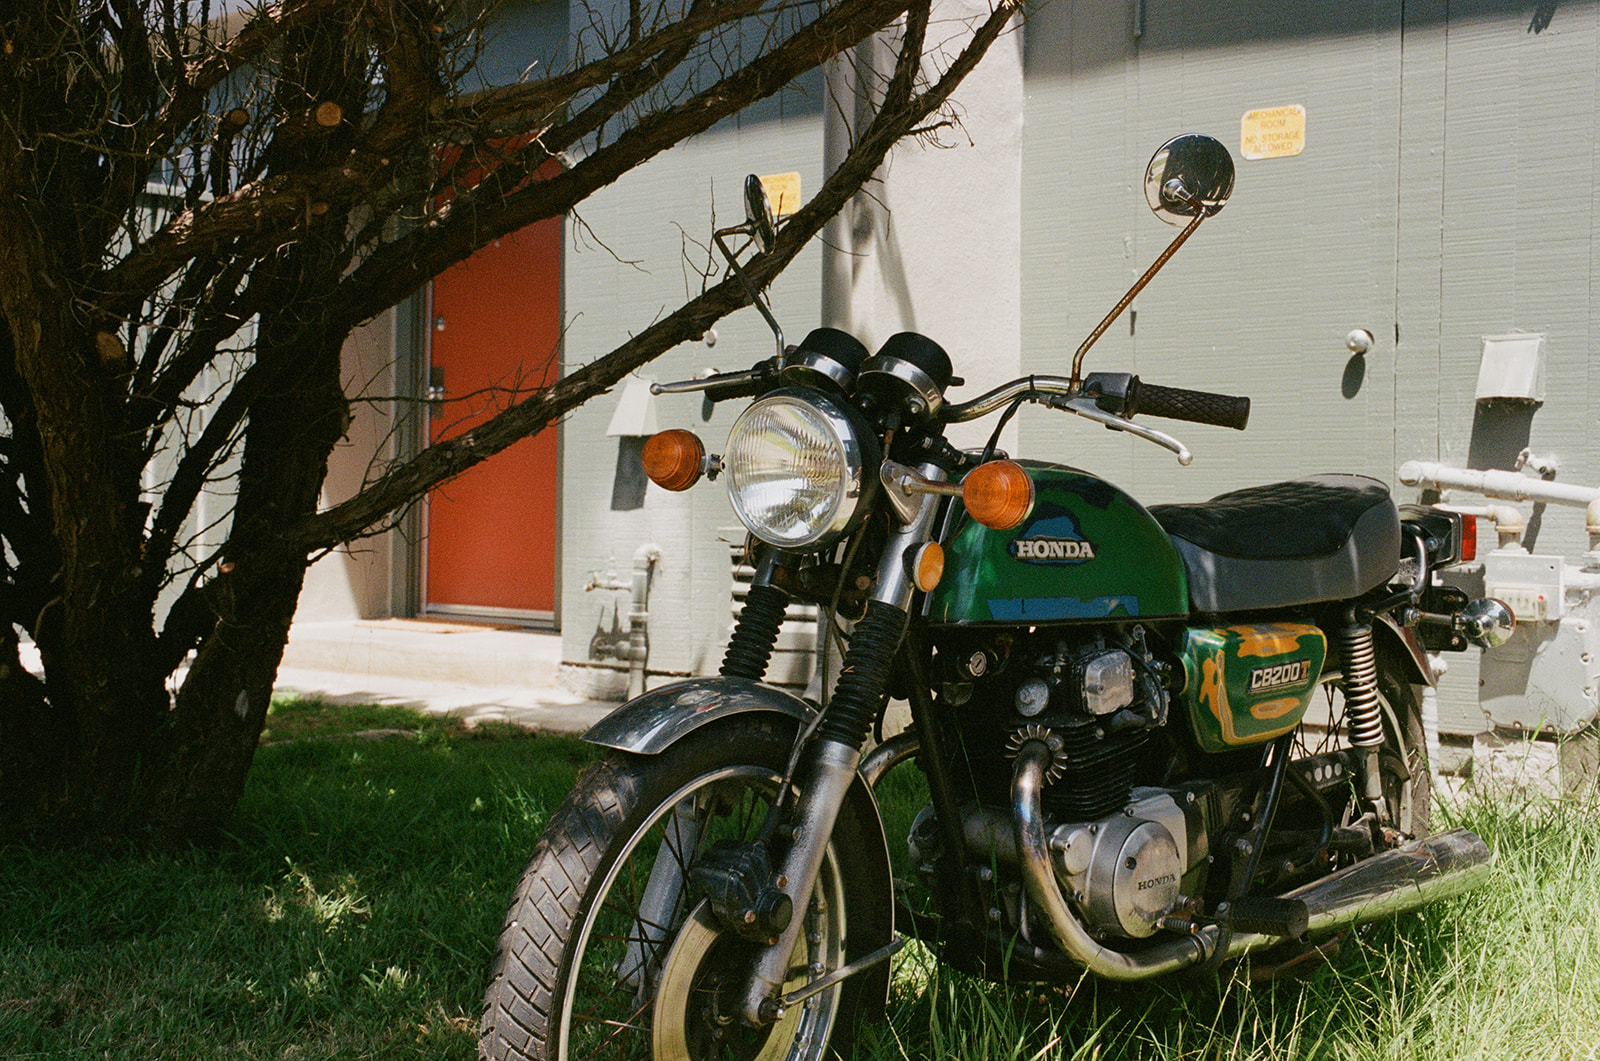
(607, 950)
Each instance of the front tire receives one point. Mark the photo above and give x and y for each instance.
(606, 950)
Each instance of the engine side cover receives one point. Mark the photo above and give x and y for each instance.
(1087, 552)
(1124, 873)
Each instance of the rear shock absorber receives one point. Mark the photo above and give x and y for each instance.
(1363, 713)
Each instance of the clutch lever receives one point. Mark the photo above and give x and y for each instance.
(1086, 408)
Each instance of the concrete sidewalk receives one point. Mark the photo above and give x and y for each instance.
(474, 672)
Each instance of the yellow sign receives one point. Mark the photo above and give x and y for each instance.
(1273, 132)
(784, 191)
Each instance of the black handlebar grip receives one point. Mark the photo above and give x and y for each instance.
(745, 387)
(761, 378)
(1200, 407)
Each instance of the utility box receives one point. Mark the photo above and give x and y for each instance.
(1546, 677)
(1539, 693)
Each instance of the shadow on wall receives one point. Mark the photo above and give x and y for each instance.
(1501, 431)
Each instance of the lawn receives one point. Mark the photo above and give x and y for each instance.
(352, 909)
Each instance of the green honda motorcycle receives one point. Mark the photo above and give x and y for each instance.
(1141, 740)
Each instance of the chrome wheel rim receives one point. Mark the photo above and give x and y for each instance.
(611, 1009)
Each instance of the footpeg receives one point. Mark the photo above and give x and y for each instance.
(1266, 916)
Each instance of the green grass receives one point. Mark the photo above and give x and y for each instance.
(352, 912)
(1509, 972)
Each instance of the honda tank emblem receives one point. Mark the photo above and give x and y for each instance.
(1052, 550)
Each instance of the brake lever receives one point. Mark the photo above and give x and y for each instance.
(1086, 408)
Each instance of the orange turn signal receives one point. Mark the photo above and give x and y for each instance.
(673, 459)
(998, 495)
(929, 566)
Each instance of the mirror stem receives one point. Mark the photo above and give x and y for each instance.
(750, 289)
(1133, 292)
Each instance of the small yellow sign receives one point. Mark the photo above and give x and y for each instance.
(783, 189)
(1273, 132)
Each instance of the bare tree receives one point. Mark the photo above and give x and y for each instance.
(198, 203)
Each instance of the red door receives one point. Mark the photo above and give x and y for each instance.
(491, 546)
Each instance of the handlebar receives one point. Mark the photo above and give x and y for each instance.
(1114, 392)
(1121, 395)
(721, 386)
(1177, 403)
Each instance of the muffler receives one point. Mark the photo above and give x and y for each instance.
(1385, 885)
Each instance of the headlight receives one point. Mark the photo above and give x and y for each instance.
(795, 465)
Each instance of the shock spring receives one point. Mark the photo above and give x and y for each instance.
(1363, 715)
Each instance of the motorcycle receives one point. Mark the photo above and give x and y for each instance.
(1150, 739)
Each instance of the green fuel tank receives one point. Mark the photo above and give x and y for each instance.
(1087, 553)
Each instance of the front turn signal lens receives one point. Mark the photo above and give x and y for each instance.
(998, 495)
(928, 566)
(673, 459)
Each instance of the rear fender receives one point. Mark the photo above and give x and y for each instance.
(1402, 640)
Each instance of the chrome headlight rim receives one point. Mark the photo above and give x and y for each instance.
(853, 447)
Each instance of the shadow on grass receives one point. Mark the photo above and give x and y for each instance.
(351, 912)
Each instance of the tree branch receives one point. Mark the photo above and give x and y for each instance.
(403, 265)
(439, 462)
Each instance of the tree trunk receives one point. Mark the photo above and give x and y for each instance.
(76, 762)
(296, 419)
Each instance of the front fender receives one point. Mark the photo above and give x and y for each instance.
(649, 724)
(661, 717)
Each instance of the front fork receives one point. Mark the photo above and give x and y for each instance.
(827, 766)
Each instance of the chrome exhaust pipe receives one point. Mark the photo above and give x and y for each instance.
(1388, 884)
(1385, 885)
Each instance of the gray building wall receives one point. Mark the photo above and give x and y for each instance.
(636, 252)
(1445, 193)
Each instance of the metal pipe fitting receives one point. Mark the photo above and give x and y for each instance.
(1509, 522)
(645, 559)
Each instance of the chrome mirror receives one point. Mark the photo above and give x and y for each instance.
(758, 213)
(1188, 176)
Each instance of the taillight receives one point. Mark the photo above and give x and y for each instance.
(1448, 538)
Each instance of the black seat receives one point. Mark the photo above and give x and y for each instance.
(1325, 537)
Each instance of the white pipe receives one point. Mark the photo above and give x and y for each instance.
(1509, 523)
(644, 559)
(1512, 486)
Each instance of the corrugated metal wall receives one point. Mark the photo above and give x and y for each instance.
(1445, 193)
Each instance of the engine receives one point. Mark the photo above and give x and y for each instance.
(1100, 698)
(1120, 845)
